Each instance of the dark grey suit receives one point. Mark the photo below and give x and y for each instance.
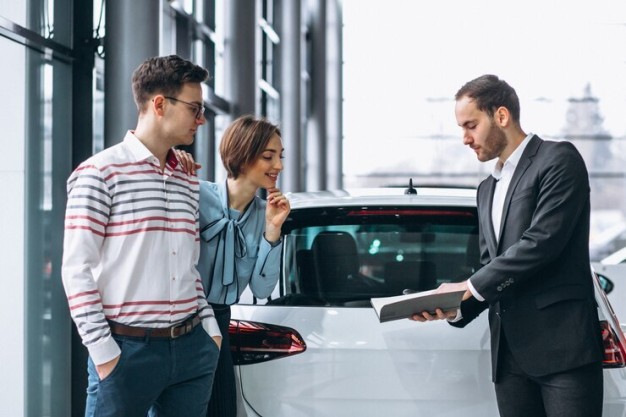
(536, 278)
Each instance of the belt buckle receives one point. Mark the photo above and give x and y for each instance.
(185, 328)
(172, 330)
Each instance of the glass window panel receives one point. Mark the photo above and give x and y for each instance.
(14, 11)
(48, 139)
(341, 257)
(188, 6)
(219, 83)
(47, 18)
(581, 98)
(12, 120)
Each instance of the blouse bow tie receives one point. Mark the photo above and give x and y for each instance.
(232, 245)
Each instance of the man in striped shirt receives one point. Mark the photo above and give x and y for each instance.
(130, 253)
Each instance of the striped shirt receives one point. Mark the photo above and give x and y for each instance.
(131, 246)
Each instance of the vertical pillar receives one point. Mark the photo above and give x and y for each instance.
(334, 91)
(290, 89)
(239, 56)
(132, 29)
(316, 124)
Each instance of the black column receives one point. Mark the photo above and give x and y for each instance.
(132, 36)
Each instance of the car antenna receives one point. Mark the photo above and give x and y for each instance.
(410, 190)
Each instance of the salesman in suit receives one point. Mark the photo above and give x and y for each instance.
(536, 281)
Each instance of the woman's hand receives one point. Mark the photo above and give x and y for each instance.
(276, 213)
(187, 162)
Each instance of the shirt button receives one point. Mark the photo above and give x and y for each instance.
(173, 278)
(173, 252)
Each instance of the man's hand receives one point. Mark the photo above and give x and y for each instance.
(455, 286)
(106, 368)
(440, 314)
(217, 340)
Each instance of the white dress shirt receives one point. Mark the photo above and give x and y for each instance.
(503, 173)
(131, 245)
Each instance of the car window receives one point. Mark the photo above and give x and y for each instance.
(344, 257)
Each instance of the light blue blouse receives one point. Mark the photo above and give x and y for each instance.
(233, 250)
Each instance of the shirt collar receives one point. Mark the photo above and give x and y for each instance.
(512, 161)
(141, 153)
(136, 148)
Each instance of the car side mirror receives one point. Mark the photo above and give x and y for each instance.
(606, 284)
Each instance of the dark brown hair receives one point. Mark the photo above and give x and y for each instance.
(244, 141)
(165, 75)
(489, 92)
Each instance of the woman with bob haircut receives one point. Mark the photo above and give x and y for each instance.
(240, 234)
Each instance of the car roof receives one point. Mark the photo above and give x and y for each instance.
(426, 196)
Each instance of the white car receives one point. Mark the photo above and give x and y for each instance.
(612, 272)
(617, 257)
(316, 347)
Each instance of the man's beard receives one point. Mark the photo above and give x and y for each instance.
(495, 142)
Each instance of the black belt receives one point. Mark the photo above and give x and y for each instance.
(173, 332)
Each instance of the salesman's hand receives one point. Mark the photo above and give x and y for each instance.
(455, 286)
(106, 368)
(440, 314)
(217, 340)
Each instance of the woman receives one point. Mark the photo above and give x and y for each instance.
(240, 234)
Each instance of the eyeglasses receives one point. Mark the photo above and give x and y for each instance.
(199, 109)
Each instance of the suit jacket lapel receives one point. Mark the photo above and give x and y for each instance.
(485, 215)
(524, 163)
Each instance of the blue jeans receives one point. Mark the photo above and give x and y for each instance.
(156, 377)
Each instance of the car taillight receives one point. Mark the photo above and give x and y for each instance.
(252, 342)
(614, 350)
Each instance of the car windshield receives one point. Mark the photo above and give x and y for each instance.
(345, 256)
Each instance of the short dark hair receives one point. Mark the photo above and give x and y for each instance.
(490, 92)
(165, 75)
(244, 141)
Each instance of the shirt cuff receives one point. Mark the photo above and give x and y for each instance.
(474, 292)
(458, 317)
(209, 324)
(105, 351)
(273, 244)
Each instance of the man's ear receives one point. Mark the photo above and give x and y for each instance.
(502, 116)
(157, 104)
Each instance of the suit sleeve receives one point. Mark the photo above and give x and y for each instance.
(561, 197)
(470, 309)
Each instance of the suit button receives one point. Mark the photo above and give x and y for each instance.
(499, 288)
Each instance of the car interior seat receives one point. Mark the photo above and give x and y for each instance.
(307, 277)
(472, 255)
(410, 275)
(336, 264)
